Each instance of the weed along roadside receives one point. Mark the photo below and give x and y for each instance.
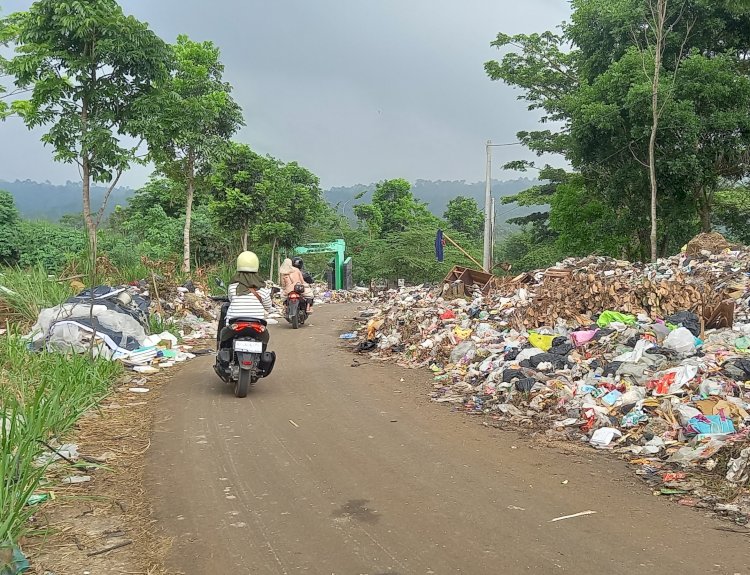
(43, 395)
(77, 389)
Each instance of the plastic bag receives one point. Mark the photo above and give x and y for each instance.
(604, 436)
(738, 470)
(539, 341)
(711, 425)
(581, 337)
(681, 341)
(686, 319)
(609, 317)
(466, 350)
(637, 354)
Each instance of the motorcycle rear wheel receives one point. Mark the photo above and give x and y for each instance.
(242, 385)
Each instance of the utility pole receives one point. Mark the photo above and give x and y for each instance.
(487, 261)
(492, 236)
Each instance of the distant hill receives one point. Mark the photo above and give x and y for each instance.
(46, 201)
(43, 200)
(437, 194)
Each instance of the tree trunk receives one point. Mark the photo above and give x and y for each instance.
(88, 218)
(704, 210)
(273, 257)
(660, 17)
(244, 236)
(190, 172)
(664, 245)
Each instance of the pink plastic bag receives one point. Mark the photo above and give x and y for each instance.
(581, 337)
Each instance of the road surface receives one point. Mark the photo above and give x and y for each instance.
(331, 469)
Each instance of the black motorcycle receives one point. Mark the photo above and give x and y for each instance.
(241, 350)
(295, 307)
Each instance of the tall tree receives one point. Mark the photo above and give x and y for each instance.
(234, 187)
(88, 66)
(593, 81)
(192, 118)
(393, 209)
(658, 25)
(463, 215)
(290, 199)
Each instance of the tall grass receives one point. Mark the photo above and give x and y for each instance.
(158, 324)
(42, 395)
(28, 291)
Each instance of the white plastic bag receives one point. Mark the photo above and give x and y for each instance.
(680, 340)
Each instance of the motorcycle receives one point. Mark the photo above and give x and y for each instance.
(242, 357)
(295, 307)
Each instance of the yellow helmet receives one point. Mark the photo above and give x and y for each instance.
(247, 262)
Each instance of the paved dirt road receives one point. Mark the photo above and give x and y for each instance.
(331, 469)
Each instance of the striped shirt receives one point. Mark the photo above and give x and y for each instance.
(247, 305)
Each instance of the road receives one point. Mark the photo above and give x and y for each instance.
(331, 469)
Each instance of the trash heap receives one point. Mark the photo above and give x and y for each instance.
(187, 306)
(597, 351)
(324, 295)
(115, 323)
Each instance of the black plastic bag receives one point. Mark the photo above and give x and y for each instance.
(686, 319)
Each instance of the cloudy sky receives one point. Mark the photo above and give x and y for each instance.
(355, 90)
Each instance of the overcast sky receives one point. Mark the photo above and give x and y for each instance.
(355, 90)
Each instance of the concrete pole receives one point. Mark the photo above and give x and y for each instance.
(487, 261)
(492, 235)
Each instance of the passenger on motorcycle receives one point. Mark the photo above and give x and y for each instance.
(248, 296)
(291, 274)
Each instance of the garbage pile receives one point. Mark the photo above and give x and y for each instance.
(112, 321)
(115, 323)
(355, 295)
(597, 351)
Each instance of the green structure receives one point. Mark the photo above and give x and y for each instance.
(341, 267)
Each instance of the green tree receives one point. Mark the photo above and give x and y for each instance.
(463, 215)
(394, 209)
(291, 199)
(191, 120)
(237, 202)
(9, 229)
(599, 95)
(733, 213)
(87, 66)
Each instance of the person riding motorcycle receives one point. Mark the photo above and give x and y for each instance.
(298, 263)
(291, 275)
(309, 281)
(248, 296)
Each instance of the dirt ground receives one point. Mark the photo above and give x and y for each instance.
(104, 526)
(337, 465)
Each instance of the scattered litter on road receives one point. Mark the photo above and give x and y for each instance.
(294, 424)
(139, 389)
(76, 479)
(38, 498)
(13, 561)
(564, 517)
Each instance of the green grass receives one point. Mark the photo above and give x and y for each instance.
(42, 395)
(158, 324)
(28, 292)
